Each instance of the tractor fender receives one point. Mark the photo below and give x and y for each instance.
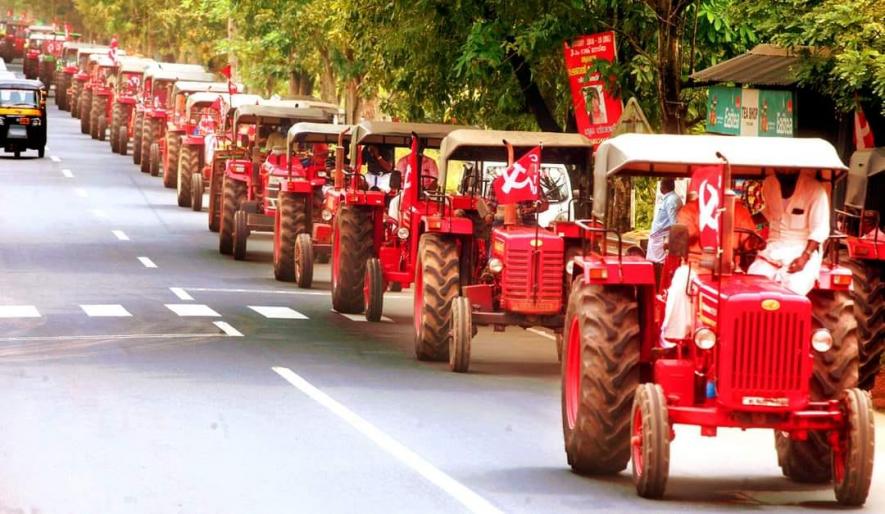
(194, 140)
(447, 225)
(629, 270)
(240, 171)
(834, 278)
(299, 186)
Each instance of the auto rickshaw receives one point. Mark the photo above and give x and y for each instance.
(22, 116)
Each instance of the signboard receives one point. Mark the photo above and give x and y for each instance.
(750, 112)
(596, 111)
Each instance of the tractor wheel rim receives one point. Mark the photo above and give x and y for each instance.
(636, 441)
(573, 372)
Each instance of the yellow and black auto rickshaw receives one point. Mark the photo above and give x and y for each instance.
(22, 116)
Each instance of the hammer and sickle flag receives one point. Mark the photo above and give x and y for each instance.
(520, 181)
(707, 180)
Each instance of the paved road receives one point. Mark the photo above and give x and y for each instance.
(115, 400)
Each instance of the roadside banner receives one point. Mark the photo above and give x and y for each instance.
(736, 111)
(596, 110)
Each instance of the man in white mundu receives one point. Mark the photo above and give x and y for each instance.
(798, 214)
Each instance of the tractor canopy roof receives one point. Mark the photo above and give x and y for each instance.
(192, 86)
(667, 155)
(92, 49)
(101, 58)
(76, 45)
(134, 64)
(399, 134)
(307, 132)
(236, 100)
(304, 103)
(489, 145)
(205, 97)
(15, 83)
(6, 75)
(41, 28)
(864, 164)
(160, 67)
(105, 62)
(178, 76)
(277, 115)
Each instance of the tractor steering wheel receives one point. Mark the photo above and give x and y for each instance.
(747, 247)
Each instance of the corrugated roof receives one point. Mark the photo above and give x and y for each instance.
(764, 65)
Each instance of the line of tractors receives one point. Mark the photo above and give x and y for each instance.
(392, 205)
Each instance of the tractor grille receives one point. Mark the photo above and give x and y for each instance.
(767, 354)
(522, 270)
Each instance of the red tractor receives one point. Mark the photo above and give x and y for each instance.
(302, 223)
(12, 46)
(861, 222)
(87, 79)
(220, 147)
(157, 103)
(127, 83)
(250, 184)
(36, 36)
(101, 88)
(69, 66)
(758, 355)
(200, 117)
(513, 272)
(364, 234)
(50, 52)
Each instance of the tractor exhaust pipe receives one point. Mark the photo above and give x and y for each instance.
(726, 238)
(339, 160)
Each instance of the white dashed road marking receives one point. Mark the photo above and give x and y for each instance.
(361, 317)
(147, 262)
(121, 236)
(542, 333)
(19, 311)
(228, 329)
(192, 310)
(106, 311)
(277, 312)
(67, 173)
(181, 293)
(466, 496)
(54, 158)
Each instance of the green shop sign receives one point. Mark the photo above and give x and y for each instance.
(750, 112)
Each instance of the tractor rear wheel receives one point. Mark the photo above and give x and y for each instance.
(154, 164)
(234, 194)
(85, 112)
(600, 373)
(869, 310)
(197, 192)
(373, 290)
(437, 284)
(149, 135)
(352, 245)
(188, 165)
(835, 371)
(650, 441)
(115, 126)
(853, 464)
(241, 234)
(137, 136)
(173, 154)
(123, 140)
(303, 260)
(462, 335)
(102, 128)
(291, 220)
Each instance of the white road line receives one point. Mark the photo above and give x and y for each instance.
(361, 317)
(106, 311)
(464, 495)
(121, 235)
(54, 158)
(67, 173)
(257, 291)
(542, 333)
(181, 293)
(147, 262)
(271, 312)
(107, 337)
(98, 213)
(79, 191)
(19, 311)
(192, 310)
(227, 328)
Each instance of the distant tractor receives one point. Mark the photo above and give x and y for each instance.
(102, 88)
(68, 66)
(86, 59)
(861, 221)
(186, 143)
(126, 85)
(758, 355)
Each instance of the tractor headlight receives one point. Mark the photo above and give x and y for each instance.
(326, 215)
(402, 233)
(496, 265)
(821, 340)
(705, 339)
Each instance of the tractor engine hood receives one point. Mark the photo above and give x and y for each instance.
(532, 276)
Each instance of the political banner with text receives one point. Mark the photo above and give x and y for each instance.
(596, 110)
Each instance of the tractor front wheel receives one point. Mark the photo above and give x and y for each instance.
(303, 260)
(154, 165)
(600, 373)
(102, 128)
(116, 115)
(188, 166)
(197, 192)
(173, 167)
(650, 441)
(853, 459)
(123, 140)
(869, 310)
(373, 290)
(137, 136)
(835, 370)
(352, 245)
(290, 220)
(437, 284)
(216, 180)
(234, 194)
(462, 335)
(241, 234)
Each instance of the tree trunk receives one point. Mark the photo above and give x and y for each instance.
(671, 18)
(231, 55)
(328, 82)
(534, 100)
(300, 84)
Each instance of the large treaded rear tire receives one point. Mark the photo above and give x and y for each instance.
(137, 135)
(355, 244)
(116, 116)
(835, 371)
(234, 194)
(869, 310)
(149, 135)
(216, 180)
(188, 164)
(292, 211)
(600, 373)
(437, 284)
(173, 154)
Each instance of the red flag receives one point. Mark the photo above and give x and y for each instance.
(112, 52)
(226, 71)
(863, 135)
(410, 179)
(519, 182)
(706, 181)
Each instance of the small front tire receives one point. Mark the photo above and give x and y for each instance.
(462, 335)
(373, 290)
(303, 260)
(853, 460)
(155, 160)
(197, 192)
(241, 234)
(650, 441)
